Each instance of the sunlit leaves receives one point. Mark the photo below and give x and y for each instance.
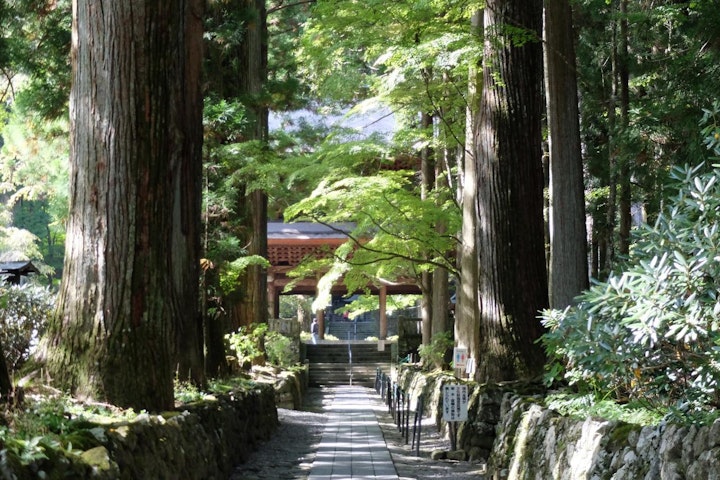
(651, 332)
(395, 232)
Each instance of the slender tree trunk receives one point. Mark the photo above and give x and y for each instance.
(467, 315)
(131, 267)
(187, 227)
(427, 175)
(608, 236)
(5, 381)
(441, 275)
(253, 306)
(568, 236)
(512, 269)
(625, 200)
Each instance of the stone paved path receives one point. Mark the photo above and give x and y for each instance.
(298, 442)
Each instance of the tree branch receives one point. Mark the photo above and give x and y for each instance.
(289, 5)
(385, 255)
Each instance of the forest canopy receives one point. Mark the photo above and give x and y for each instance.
(458, 197)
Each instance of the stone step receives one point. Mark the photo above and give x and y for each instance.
(337, 374)
(330, 363)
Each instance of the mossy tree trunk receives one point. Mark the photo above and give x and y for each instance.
(130, 280)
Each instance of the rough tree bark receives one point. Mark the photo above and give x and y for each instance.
(512, 269)
(130, 277)
(467, 317)
(252, 59)
(568, 236)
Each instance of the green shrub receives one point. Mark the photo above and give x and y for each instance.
(279, 349)
(652, 332)
(24, 312)
(247, 343)
(255, 344)
(433, 355)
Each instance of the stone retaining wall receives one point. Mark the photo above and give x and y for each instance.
(521, 439)
(200, 441)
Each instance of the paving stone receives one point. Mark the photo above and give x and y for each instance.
(366, 444)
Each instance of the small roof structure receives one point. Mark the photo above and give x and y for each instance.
(12, 271)
(301, 232)
(289, 243)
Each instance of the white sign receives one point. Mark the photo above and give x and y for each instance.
(460, 357)
(455, 403)
(470, 367)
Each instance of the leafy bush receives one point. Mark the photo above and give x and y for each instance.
(255, 343)
(652, 332)
(278, 349)
(433, 354)
(24, 312)
(247, 343)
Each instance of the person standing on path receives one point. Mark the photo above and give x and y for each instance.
(314, 329)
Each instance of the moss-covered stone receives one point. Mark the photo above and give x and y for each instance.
(98, 458)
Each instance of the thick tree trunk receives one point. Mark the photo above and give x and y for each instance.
(568, 236)
(131, 266)
(512, 269)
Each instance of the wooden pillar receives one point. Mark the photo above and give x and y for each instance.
(273, 296)
(321, 322)
(382, 300)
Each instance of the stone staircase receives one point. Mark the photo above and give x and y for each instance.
(330, 363)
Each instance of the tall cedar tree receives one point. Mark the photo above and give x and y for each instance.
(568, 237)
(252, 60)
(129, 288)
(467, 318)
(512, 271)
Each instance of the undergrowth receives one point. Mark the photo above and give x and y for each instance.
(47, 426)
(588, 406)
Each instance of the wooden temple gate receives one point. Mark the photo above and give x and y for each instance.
(289, 243)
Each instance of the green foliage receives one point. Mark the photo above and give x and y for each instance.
(584, 406)
(290, 304)
(278, 348)
(224, 120)
(710, 124)
(34, 173)
(186, 392)
(36, 58)
(24, 313)
(651, 333)
(666, 41)
(255, 344)
(347, 45)
(433, 354)
(231, 271)
(369, 303)
(395, 232)
(50, 428)
(248, 344)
